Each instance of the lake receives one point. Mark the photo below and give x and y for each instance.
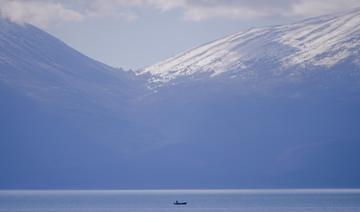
(162, 200)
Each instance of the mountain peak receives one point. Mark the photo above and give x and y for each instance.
(317, 43)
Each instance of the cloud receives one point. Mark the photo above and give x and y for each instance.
(198, 10)
(45, 12)
(319, 7)
(119, 9)
(40, 13)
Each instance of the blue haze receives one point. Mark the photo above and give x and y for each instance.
(70, 122)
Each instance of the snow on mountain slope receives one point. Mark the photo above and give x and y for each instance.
(67, 121)
(321, 42)
(325, 41)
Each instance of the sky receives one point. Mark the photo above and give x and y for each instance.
(133, 34)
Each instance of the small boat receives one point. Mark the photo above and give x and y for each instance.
(180, 203)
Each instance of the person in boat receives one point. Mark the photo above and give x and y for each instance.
(179, 203)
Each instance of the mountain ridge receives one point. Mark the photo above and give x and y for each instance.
(69, 122)
(320, 42)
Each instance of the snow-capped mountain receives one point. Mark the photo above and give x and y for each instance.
(318, 43)
(67, 121)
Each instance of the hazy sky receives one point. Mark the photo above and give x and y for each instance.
(136, 33)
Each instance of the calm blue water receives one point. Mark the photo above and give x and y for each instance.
(198, 200)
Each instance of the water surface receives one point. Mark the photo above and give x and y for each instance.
(198, 200)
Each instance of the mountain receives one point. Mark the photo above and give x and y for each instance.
(287, 52)
(62, 112)
(273, 107)
(267, 107)
(40, 65)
